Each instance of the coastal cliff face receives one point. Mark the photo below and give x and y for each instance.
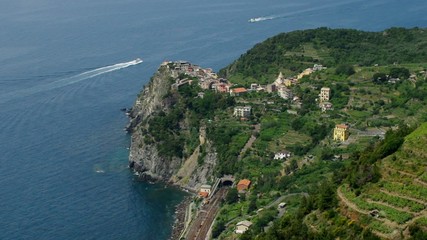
(150, 151)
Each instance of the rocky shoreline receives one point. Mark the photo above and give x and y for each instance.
(179, 223)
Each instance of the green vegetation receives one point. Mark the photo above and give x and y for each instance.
(166, 127)
(380, 227)
(385, 211)
(396, 201)
(414, 191)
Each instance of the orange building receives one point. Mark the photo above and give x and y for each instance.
(243, 185)
(237, 91)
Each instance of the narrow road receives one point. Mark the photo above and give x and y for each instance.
(280, 199)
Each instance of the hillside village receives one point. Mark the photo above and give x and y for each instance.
(299, 149)
(187, 74)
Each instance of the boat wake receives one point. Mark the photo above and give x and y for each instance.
(68, 80)
(260, 19)
(308, 10)
(99, 71)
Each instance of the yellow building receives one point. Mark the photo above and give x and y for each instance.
(287, 82)
(308, 71)
(341, 132)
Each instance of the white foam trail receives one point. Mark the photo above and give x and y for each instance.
(260, 19)
(304, 10)
(67, 81)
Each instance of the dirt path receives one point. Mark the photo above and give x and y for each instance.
(401, 172)
(420, 182)
(249, 142)
(349, 203)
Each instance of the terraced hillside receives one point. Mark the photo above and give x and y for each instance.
(399, 199)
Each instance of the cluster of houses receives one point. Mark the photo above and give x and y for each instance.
(208, 79)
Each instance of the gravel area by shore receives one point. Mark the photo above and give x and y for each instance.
(179, 222)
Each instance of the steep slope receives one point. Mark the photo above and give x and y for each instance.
(399, 198)
(165, 143)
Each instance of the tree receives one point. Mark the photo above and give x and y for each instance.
(402, 73)
(345, 69)
(326, 196)
(252, 204)
(379, 78)
(232, 196)
(218, 228)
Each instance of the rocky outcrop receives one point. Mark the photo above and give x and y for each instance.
(151, 98)
(145, 158)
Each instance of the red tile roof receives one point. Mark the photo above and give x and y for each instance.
(239, 90)
(203, 194)
(243, 184)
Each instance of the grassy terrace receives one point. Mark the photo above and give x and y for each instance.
(396, 201)
(385, 211)
(414, 191)
(380, 227)
(422, 221)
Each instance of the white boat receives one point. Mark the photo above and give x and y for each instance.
(138, 60)
(258, 19)
(252, 20)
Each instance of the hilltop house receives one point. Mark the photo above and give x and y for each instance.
(242, 226)
(341, 132)
(178, 83)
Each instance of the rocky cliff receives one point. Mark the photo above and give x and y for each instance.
(158, 102)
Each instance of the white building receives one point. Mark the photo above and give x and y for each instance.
(243, 112)
(282, 155)
(285, 93)
(243, 226)
(206, 189)
(326, 106)
(325, 94)
(279, 80)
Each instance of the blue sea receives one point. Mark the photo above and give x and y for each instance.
(66, 70)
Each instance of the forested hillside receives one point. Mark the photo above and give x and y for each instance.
(293, 52)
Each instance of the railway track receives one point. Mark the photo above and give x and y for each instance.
(201, 225)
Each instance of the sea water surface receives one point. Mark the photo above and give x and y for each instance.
(66, 70)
